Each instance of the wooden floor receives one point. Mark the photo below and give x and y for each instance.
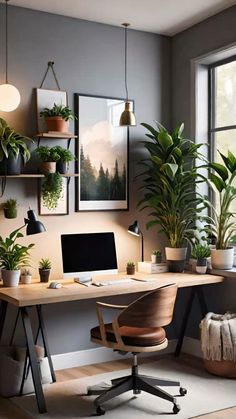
(10, 411)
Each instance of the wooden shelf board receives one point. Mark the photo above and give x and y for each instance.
(36, 175)
(62, 136)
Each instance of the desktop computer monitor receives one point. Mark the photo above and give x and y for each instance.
(88, 253)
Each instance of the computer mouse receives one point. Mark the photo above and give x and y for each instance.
(55, 285)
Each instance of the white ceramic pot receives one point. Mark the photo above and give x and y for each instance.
(153, 258)
(176, 257)
(222, 258)
(10, 278)
(25, 279)
(201, 266)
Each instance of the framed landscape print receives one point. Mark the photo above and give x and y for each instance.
(45, 99)
(102, 154)
(62, 207)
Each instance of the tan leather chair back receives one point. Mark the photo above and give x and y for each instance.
(154, 309)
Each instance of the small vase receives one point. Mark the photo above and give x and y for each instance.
(154, 258)
(201, 266)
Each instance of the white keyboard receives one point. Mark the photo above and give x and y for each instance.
(114, 282)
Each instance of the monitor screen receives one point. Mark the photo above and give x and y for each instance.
(93, 253)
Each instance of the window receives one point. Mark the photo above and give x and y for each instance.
(222, 109)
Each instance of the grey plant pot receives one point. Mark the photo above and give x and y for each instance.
(44, 275)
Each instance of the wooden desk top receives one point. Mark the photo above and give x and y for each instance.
(39, 293)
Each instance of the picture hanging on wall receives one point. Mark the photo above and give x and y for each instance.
(55, 203)
(102, 154)
(45, 98)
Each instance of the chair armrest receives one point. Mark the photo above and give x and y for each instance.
(99, 307)
(114, 306)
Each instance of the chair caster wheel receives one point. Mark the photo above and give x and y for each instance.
(182, 391)
(176, 409)
(100, 411)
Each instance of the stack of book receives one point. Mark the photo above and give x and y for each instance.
(152, 268)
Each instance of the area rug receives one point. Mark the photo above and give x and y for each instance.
(206, 393)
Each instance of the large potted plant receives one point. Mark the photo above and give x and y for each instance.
(170, 189)
(13, 149)
(12, 257)
(221, 224)
(48, 156)
(57, 118)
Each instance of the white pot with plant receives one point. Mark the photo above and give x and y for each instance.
(26, 276)
(221, 224)
(156, 256)
(170, 189)
(48, 156)
(201, 252)
(12, 257)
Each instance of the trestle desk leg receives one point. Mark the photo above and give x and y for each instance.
(45, 341)
(3, 312)
(185, 322)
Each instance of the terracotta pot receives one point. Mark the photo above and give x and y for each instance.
(56, 123)
(48, 167)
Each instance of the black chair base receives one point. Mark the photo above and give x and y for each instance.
(139, 383)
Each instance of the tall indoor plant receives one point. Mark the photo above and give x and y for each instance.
(13, 149)
(221, 223)
(169, 184)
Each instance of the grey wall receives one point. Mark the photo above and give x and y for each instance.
(212, 34)
(89, 58)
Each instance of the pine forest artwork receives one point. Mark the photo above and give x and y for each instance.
(102, 154)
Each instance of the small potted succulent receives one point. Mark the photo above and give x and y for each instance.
(48, 156)
(26, 276)
(200, 252)
(156, 256)
(57, 118)
(65, 156)
(10, 208)
(130, 268)
(45, 266)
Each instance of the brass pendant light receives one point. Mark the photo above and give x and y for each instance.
(127, 117)
(9, 94)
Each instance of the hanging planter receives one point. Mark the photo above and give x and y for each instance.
(10, 208)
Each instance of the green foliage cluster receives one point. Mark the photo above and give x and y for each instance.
(13, 143)
(26, 271)
(169, 183)
(201, 251)
(156, 252)
(58, 110)
(102, 185)
(10, 203)
(48, 154)
(45, 263)
(52, 189)
(130, 264)
(64, 154)
(222, 222)
(12, 254)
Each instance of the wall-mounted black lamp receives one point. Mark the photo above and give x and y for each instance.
(135, 230)
(33, 226)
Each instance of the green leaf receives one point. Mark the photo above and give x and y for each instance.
(165, 140)
(220, 169)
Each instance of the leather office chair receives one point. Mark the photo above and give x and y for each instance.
(138, 328)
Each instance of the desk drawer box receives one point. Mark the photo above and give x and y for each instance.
(152, 268)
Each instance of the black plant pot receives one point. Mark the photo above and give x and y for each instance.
(176, 265)
(44, 275)
(11, 166)
(62, 167)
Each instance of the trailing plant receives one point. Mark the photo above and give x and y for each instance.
(221, 223)
(58, 110)
(170, 183)
(13, 143)
(12, 254)
(52, 189)
(201, 251)
(65, 155)
(48, 154)
(45, 263)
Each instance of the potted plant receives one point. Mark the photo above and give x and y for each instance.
(200, 252)
(170, 189)
(26, 276)
(12, 257)
(52, 190)
(44, 269)
(57, 118)
(130, 268)
(13, 149)
(48, 156)
(65, 156)
(10, 208)
(156, 256)
(221, 224)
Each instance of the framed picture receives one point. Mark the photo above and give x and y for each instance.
(102, 154)
(45, 98)
(62, 207)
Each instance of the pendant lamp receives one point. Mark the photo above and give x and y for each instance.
(9, 95)
(127, 117)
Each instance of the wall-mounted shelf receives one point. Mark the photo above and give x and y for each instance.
(56, 135)
(36, 175)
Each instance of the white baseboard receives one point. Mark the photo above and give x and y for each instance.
(97, 355)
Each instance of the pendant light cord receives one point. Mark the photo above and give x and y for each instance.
(126, 87)
(7, 41)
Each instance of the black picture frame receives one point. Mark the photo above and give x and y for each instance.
(102, 153)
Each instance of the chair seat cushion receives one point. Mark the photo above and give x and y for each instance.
(133, 336)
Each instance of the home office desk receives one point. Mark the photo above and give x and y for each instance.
(38, 294)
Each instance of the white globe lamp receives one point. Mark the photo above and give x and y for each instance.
(9, 97)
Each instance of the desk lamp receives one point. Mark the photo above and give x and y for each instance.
(33, 226)
(135, 230)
